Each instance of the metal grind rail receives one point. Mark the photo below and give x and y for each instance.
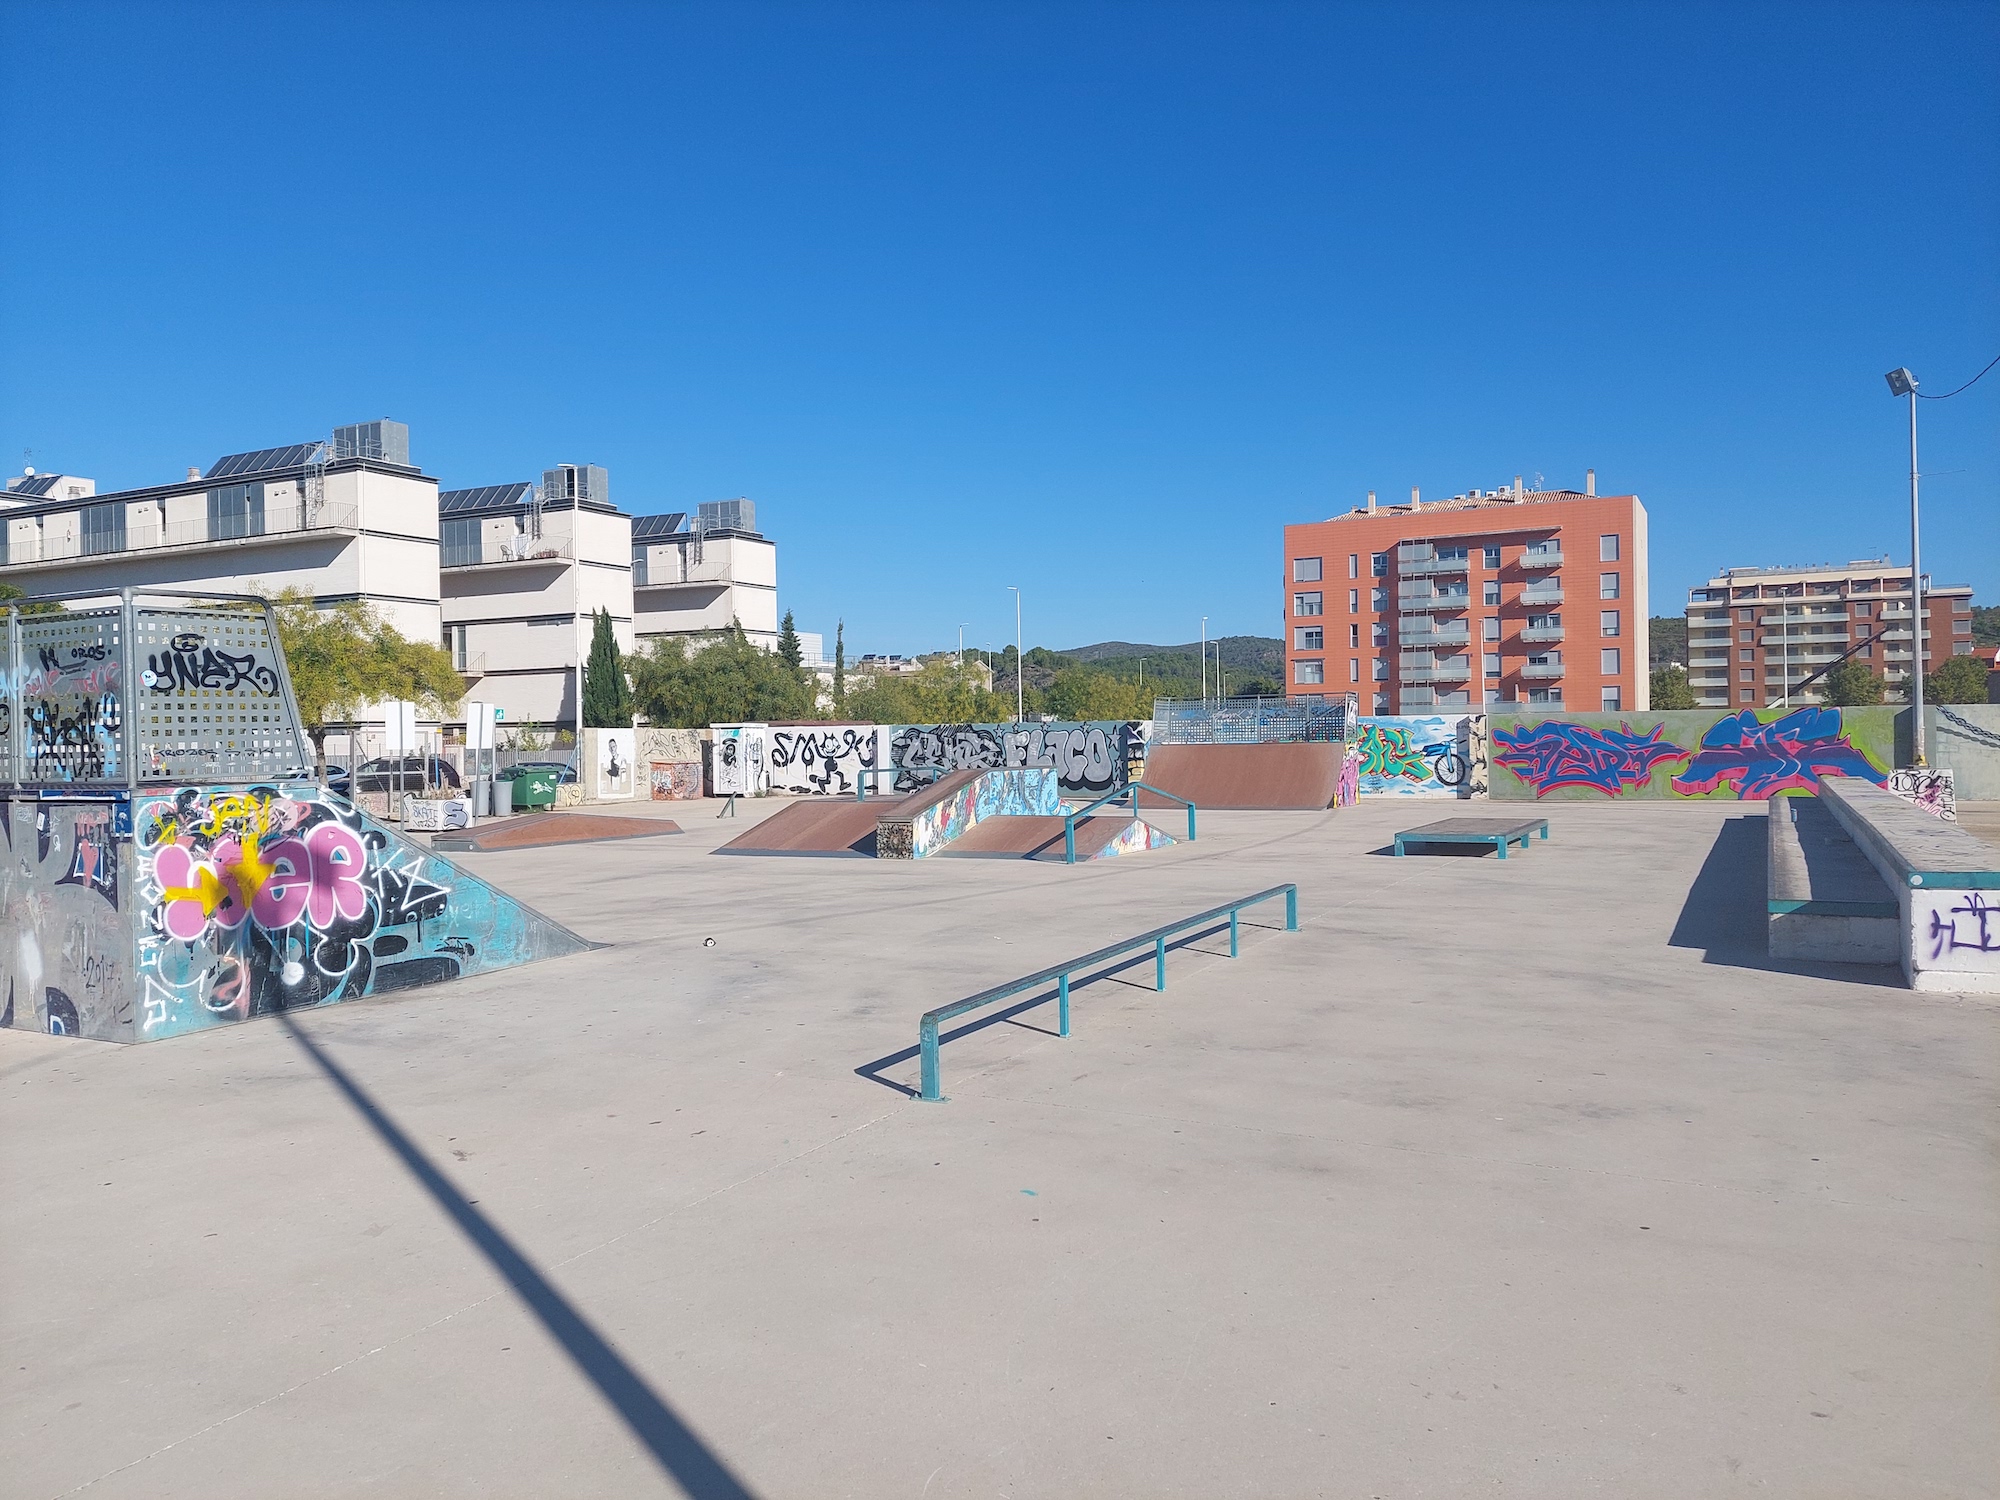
(927, 1027)
(1131, 789)
(861, 777)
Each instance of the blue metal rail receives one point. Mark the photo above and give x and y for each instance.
(927, 1027)
(1133, 788)
(861, 776)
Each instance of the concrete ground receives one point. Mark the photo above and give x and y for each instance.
(1531, 1178)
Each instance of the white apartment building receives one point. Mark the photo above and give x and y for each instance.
(523, 573)
(347, 519)
(1756, 634)
(696, 580)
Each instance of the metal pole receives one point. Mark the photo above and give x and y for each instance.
(1062, 1005)
(927, 1038)
(1204, 661)
(1916, 603)
(128, 725)
(1159, 963)
(1020, 666)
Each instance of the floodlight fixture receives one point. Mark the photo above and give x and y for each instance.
(1901, 383)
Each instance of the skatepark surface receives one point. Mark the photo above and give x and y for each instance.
(1533, 1178)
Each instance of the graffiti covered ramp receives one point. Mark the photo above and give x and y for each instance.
(224, 903)
(1041, 838)
(835, 826)
(1291, 777)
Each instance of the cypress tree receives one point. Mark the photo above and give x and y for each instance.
(839, 666)
(607, 701)
(789, 651)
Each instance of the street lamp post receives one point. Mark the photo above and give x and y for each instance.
(1020, 667)
(1204, 661)
(1903, 383)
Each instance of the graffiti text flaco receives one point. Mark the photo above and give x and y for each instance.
(1086, 757)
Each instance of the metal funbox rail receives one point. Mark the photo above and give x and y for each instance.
(927, 1026)
(929, 773)
(1130, 789)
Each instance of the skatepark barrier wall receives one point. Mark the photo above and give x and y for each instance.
(925, 824)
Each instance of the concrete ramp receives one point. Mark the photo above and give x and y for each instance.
(927, 821)
(203, 906)
(1287, 776)
(1041, 838)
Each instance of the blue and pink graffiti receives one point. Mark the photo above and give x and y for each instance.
(1553, 754)
(1788, 754)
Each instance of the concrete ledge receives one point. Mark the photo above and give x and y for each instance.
(1947, 893)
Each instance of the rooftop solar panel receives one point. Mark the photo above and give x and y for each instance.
(483, 497)
(644, 526)
(39, 484)
(262, 461)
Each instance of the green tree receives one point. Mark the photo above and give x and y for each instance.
(789, 651)
(1960, 680)
(1079, 693)
(607, 702)
(1852, 684)
(941, 693)
(1670, 688)
(345, 656)
(9, 592)
(840, 667)
(721, 679)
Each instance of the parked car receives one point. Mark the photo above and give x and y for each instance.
(394, 773)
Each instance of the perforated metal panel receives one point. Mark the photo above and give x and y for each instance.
(209, 700)
(71, 676)
(1253, 721)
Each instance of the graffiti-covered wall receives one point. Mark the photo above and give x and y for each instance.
(825, 758)
(1092, 757)
(1431, 755)
(1751, 755)
(1012, 793)
(225, 903)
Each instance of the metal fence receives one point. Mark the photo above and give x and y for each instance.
(1255, 721)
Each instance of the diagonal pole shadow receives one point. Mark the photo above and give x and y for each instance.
(872, 1071)
(686, 1460)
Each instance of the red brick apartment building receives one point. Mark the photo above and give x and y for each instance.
(1754, 634)
(1507, 596)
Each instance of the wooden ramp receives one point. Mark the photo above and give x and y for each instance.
(837, 827)
(1302, 776)
(539, 830)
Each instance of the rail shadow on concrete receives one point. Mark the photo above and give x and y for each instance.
(1725, 913)
(872, 1071)
(680, 1454)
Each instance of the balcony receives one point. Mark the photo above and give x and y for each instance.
(275, 522)
(1421, 596)
(510, 554)
(1542, 557)
(1542, 669)
(1423, 669)
(1458, 633)
(1412, 563)
(472, 668)
(1542, 593)
(1541, 632)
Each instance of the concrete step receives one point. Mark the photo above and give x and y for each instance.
(1824, 900)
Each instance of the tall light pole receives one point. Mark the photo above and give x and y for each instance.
(1020, 667)
(1204, 661)
(961, 649)
(1903, 383)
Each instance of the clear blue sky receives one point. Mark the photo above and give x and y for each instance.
(1092, 299)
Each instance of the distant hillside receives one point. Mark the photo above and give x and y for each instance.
(1261, 654)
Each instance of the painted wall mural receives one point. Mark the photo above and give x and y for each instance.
(824, 759)
(1092, 758)
(225, 903)
(1930, 789)
(675, 780)
(1423, 755)
(1749, 756)
(737, 763)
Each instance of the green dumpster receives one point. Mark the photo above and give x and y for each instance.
(534, 789)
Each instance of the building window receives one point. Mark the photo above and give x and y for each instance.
(1309, 604)
(1745, 615)
(1381, 703)
(1744, 695)
(1353, 637)
(1746, 636)
(1381, 668)
(1607, 661)
(1308, 638)
(1309, 671)
(1493, 664)
(1380, 632)
(1489, 628)
(1353, 670)
(458, 654)
(1607, 586)
(1746, 674)
(1378, 600)
(1492, 559)
(1490, 592)
(1378, 564)
(1607, 548)
(1354, 565)
(1305, 570)
(1607, 622)
(104, 526)
(1611, 700)
(1861, 611)
(1746, 655)
(458, 543)
(1354, 601)
(236, 510)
